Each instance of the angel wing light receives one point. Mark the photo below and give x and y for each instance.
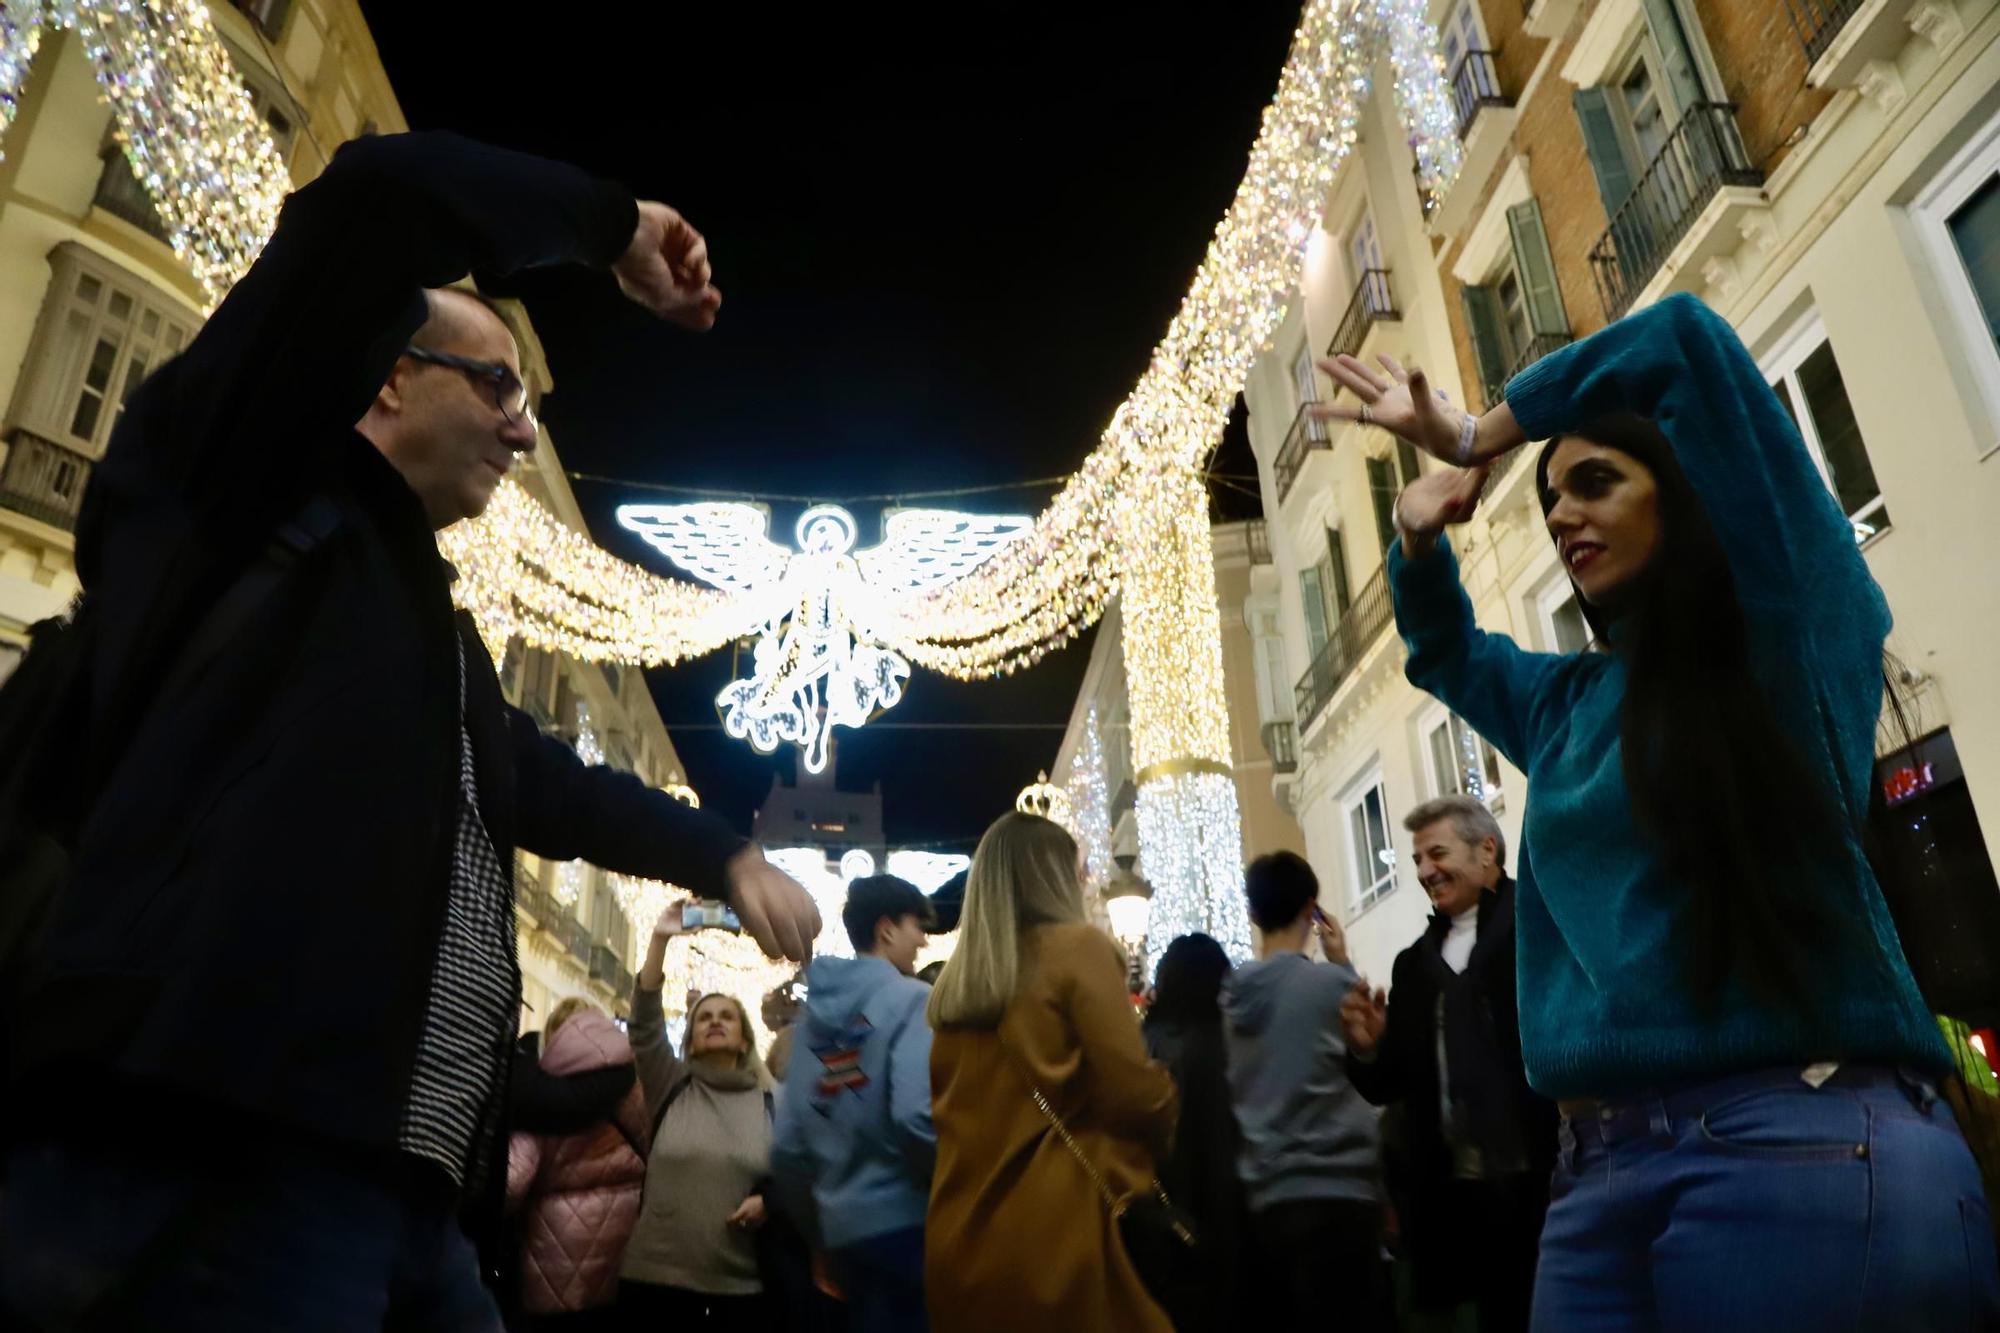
(821, 660)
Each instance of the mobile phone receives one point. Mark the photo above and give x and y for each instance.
(700, 915)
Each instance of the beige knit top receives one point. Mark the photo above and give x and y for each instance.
(711, 1150)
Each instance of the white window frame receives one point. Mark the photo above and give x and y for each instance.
(1363, 895)
(1780, 365)
(1953, 184)
(1548, 598)
(1441, 784)
(52, 379)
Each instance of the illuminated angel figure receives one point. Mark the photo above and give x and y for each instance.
(819, 662)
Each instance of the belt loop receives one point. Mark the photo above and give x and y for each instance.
(1658, 1118)
(1921, 1090)
(1566, 1142)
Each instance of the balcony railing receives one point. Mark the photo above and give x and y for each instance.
(1704, 153)
(1818, 22)
(1374, 300)
(575, 937)
(1308, 433)
(1257, 536)
(120, 194)
(1281, 742)
(607, 967)
(43, 480)
(1426, 199)
(1363, 623)
(1538, 347)
(1475, 83)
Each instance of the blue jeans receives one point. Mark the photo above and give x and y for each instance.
(883, 1277)
(1759, 1203)
(138, 1236)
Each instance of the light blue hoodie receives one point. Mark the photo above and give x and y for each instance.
(854, 1144)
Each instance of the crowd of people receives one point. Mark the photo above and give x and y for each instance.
(1668, 1072)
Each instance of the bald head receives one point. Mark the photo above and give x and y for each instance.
(442, 426)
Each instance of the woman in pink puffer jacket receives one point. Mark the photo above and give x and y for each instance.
(577, 1195)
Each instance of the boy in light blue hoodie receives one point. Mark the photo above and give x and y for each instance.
(853, 1148)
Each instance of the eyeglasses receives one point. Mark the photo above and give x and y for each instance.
(509, 394)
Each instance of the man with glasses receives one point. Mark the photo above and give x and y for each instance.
(262, 1044)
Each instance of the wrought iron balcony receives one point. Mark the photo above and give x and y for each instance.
(1257, 537)
(1363, 623)
(1538, 347)
(1818, 22)
(1704, 153)
(1373, 301)
(1281, 742)
(575, 937)
(605, 965)
(1308, 433)
(43, 480)
(1475, 83)
(120, 194)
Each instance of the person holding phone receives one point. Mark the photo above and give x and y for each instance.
(693, 1259)
(1309, 1160)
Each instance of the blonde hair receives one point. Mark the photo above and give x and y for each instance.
(747, 1058)
(1024, 874)
(566, 1008)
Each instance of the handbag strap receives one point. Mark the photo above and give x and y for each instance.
(1056, 1122)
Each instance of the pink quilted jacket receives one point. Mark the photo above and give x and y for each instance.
(578, 1194)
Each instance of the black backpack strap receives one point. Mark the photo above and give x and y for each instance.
(673, 1094)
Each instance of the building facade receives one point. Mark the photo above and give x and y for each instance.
(1826, 175)
(94, 297)
(1253, 674)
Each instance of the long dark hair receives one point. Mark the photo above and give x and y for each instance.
(1734, 812)
(1188, 987)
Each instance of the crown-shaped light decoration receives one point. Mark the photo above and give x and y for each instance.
(1044, 798)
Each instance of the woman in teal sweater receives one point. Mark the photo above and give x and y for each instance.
(1710, 981)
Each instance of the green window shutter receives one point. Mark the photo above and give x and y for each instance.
(1336, 563)
(1536, 268)
(1406, 462)
(1601, 141)
(1482, 325)
(1676, 53)
(1314, 603)
(1382, 489)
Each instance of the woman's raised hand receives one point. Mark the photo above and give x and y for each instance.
(1403, 404)
(1434, 502)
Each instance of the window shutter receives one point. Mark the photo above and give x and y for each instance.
(1676, 52)
(1382, 489)
(1602, 143)
(1336, 563)
(1482, 325)
(1536, 267)
(1314, 603)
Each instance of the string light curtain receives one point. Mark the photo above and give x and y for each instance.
(1132, 520)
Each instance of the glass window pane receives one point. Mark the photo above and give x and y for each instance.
(1784, 391)
(1975, 230)
(1572, 630)
(1444, 767)
(120, 306)
(1840, 441)
(1357, 837)
(149, 323)
(87, 289)
(102, 358)
(1378, 832)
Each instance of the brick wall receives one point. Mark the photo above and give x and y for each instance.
(1763, 71)
(1763, 67)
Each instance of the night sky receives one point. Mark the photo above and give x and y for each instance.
(944, 258)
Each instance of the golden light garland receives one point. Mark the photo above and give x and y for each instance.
(1132, 520)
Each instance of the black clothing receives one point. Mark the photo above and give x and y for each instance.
(1316, 1263)
(1200, 1175)
(288, 816)
(1509, 1128)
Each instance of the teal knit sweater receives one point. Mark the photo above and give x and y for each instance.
(1606, 1008)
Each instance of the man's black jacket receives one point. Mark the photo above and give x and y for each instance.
(1512, 1119)
(261, 879)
